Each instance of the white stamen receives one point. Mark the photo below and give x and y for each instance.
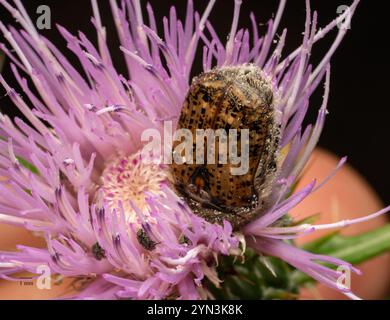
(126, 182)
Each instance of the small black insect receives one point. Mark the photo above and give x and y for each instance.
(98, 252)
(145, 241)
(184, 240)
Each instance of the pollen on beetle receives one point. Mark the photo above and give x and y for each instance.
(127, 180)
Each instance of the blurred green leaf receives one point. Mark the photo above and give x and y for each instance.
(24, 162)
(27, 165)
(353, 249)
(315, 245)
(261, 277)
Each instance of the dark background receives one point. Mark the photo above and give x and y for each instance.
(358, 122)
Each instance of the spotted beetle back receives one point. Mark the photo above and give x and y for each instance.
(237, 97)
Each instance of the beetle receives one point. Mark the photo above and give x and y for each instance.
(230, 97)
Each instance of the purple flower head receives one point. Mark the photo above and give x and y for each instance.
(108, 217)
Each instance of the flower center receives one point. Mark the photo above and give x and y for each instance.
(127, 180)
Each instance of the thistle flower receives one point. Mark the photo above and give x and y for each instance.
(109, 218)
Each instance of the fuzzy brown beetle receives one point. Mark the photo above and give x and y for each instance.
(232, 97)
